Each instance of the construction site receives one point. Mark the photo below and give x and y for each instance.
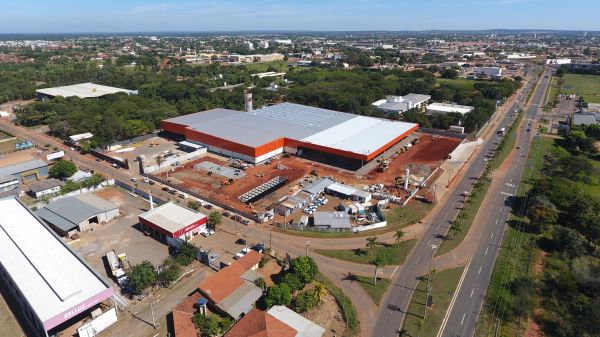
(258, 189)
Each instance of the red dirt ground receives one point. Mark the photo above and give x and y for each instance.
(430, 152)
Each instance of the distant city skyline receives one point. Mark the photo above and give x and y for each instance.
(108, 16)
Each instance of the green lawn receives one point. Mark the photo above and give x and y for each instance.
(459, 82)
(375, 291)
(587, 86)
(444, 286)
(281, 66)
(398, 253)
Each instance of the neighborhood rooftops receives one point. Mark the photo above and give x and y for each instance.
(44, 185)
(25, 166)
(231, 289)
(278, 321)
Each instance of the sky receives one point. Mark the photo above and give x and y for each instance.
(82, 16)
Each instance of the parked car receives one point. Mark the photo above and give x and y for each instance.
(241, 253)
(259, 247)
(166, 189)
(226, 214)
(208, 206)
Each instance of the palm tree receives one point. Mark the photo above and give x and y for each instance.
(320, 291)
(398, 236)
(159, 161)
(371, 244)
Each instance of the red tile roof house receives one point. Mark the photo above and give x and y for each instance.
(230, 291)
(279, 321)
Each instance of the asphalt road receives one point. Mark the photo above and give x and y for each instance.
(393, 307)
(464, 312)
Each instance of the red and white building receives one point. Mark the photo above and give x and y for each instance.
(334, 137)
(172, 221)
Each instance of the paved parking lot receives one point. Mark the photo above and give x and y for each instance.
(224, 243)
(120, 234)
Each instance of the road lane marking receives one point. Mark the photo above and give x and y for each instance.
(462, 278)
(418, 258)
(497, 221)
(428, 242)
(395, 269)
(486, 250)
(472, 291)
(479, 272)
(492, 236)
(463, 318)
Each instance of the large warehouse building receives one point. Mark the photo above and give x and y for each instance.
(338, 138)
(52, 287)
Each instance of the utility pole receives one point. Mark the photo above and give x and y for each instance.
(152, 310)
(271, 238)
(306, 244)
(428, 290)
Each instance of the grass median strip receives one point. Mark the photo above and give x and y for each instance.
(444, 285)
(397, 253)
(376, 291)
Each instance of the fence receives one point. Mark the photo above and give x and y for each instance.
(201, 197)
(369, 227)
(137, 191)
(130, 141)
(444, 133)
(98, 154)
(297, 227)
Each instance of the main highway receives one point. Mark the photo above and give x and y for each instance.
(467, 303)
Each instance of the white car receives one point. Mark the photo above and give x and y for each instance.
(211, 232)
(241, 253)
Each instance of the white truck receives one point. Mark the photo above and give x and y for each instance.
(501, 131)
(116, 264)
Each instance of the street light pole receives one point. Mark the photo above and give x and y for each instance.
(152, 310)
(428, 290)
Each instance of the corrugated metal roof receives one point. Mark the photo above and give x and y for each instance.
(44, 185)
(50, 276)
(332, 219)
(172, 217)
(84, 90)
(75, 209)
(15, 169)
(362, 135)
(318, 186)
(303, 326)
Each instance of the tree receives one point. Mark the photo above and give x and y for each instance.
(320, 291)
(142, 276)
(159, 160)
(209, 325)
(449, 73)
(398, 236)
(193, 204)
(542, 213)
(371, 244)
(382, 258)
(62, 169)
(214, 219)
(305, 268)
(260, 282)
(278, 294)
(305, 301)
(169, 272)
(292, 281)
(186, 254)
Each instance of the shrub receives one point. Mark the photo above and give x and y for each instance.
(292, 281)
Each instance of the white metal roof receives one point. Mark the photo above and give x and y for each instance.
(84, 90)
(172, 217)
(342, 189)
(303, 326)
(50, 276)
(362, 135)
(446, 107)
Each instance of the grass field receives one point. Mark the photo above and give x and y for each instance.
(459, 82)
(587, 86)
(280, 66)
(398, 253)
(376, 291)
(7, 145)
(444, 285)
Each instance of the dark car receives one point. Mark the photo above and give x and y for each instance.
(241, 241)
(208, 206)
(172, 192)
(259, 247)
(226, 214)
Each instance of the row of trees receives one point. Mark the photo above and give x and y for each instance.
(144, 275)
(566, 218)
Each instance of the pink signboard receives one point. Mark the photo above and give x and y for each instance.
(77, 309)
